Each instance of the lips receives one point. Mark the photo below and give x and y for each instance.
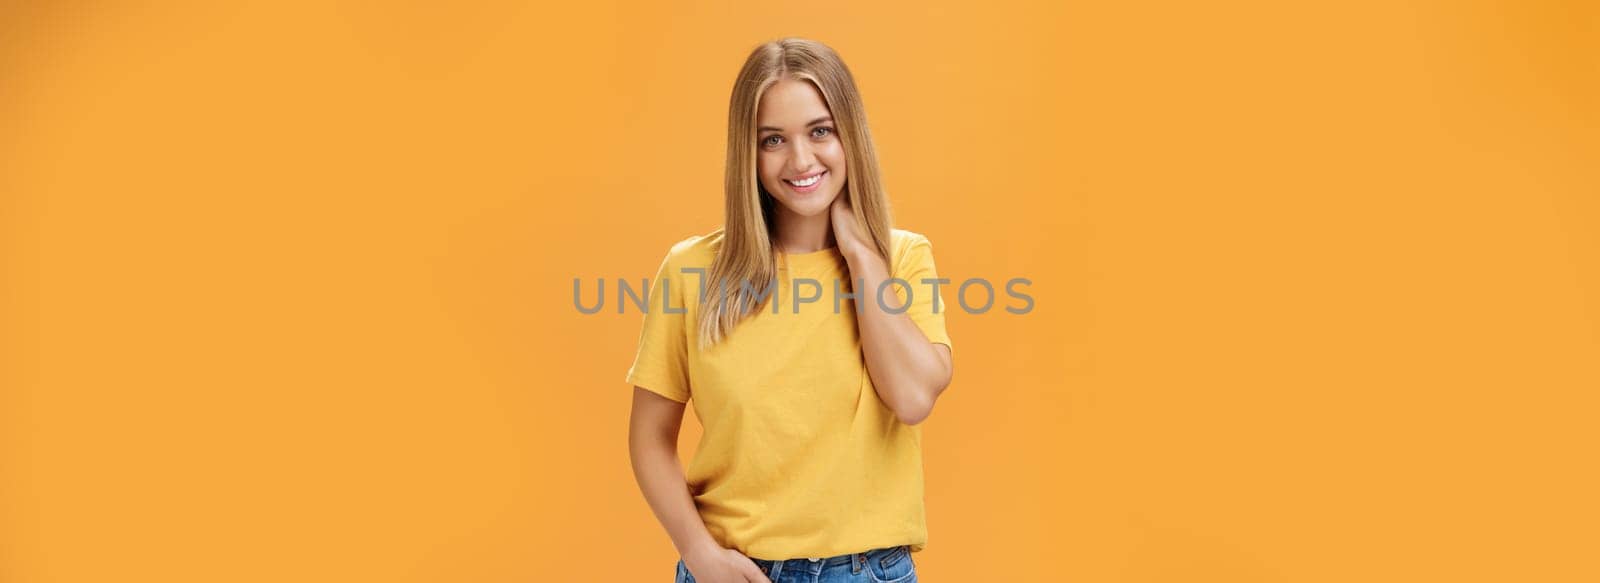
(806, 183)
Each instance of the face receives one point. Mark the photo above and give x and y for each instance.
(799, 157)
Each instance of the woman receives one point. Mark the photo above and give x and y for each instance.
(810, 466)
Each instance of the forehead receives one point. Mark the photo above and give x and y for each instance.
(790, 103)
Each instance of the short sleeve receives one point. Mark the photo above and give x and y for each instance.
(661, 363)
(916, 268)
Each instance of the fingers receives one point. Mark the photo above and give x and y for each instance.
(754, 574)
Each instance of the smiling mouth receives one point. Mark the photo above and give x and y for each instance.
(806, 184)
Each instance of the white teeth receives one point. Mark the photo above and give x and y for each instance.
(807, 182)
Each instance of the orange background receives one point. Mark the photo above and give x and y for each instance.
(288, 286)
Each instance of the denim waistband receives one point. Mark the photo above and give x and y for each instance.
(815, 565)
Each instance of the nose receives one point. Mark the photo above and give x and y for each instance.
(802, 158)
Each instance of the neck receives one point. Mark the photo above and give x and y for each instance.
(797, 234)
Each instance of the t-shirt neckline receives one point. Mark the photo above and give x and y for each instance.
(826, 257)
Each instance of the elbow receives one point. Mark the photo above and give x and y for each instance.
(912, 417)
(915, 408)
(919, 404)
(918, 394)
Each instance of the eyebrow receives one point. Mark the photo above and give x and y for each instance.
(822, 119)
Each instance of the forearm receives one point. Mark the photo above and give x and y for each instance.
(906, 369)
(661, 479)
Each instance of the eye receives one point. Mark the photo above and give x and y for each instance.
(821, 132)
(771, 141)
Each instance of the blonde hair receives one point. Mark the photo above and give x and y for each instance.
(746, 263)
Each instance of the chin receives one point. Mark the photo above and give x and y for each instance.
(809, 206)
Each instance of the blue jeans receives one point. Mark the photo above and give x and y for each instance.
(886, 565)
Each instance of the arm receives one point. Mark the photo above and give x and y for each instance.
(653, 449)
(908, 371)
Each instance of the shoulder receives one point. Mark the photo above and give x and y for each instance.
(904, 236)
(912, 252)
(903, 240)
(695, 250)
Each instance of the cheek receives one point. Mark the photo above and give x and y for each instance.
(767, 165)
(834, 156)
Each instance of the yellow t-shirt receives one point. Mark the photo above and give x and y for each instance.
(799, 458)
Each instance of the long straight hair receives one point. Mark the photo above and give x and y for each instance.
(746, 263)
